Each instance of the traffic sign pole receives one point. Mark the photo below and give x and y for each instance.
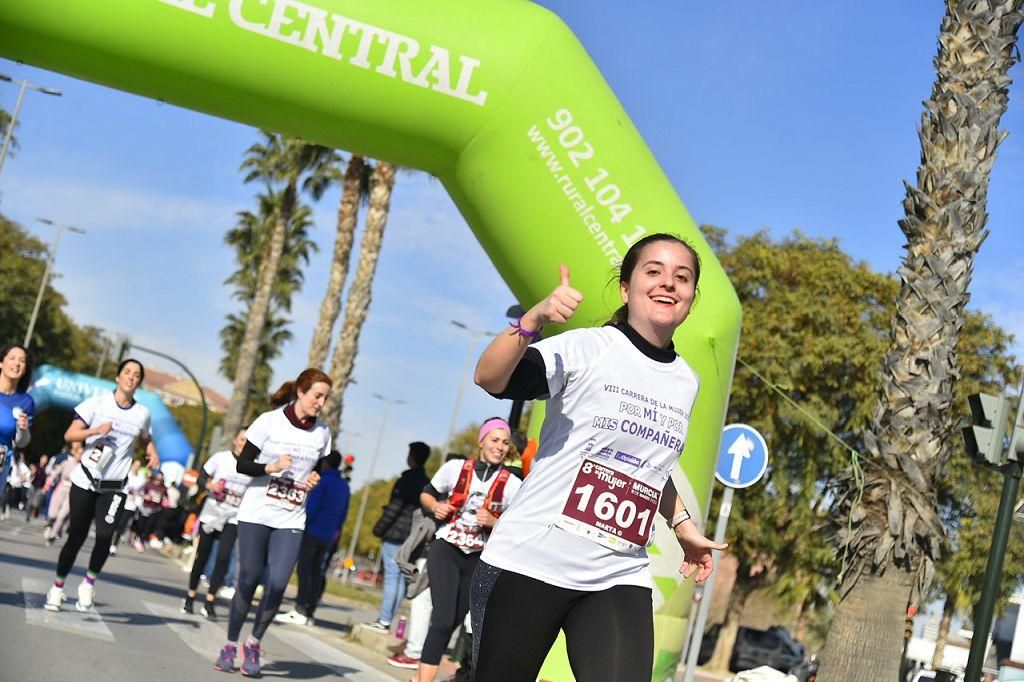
(742, 461)
(697, 632)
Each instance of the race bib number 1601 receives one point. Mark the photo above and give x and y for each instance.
(610, 508)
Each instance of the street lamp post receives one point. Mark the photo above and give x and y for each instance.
(46, 273)
(17, 107)
(369, 474)
(474, 335)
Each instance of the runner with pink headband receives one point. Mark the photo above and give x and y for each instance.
(477, 491)
(490, 425)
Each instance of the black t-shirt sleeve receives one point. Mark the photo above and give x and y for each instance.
(529, 380)
(246, 464)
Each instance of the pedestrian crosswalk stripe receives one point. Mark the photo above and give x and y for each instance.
(345, 666)
(68, 619)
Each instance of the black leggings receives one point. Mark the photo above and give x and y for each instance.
(311, 569)
(451, 574)
(609, 634)
(87, 506)
(227, 538)
(261, 546)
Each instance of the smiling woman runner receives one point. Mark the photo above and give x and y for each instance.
(110, 424)
(570, 553)
(477, 492)
(282, 448)
(16, 405)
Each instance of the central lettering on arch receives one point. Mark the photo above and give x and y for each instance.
(351, 41)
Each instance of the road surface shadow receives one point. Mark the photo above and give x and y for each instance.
(303, 670)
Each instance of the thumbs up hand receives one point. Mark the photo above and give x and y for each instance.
(558, 307)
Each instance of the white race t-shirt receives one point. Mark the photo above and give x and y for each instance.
(136, 482)
(465, 531)
(279, 500)
(615, 425)
(217, 513)
(129, 424)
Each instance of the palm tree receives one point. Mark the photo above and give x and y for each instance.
(895, 535)
(382, 183)
(290, 163)
(355, 192)
(249, 238)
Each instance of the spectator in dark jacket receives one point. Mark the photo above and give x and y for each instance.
(326, 510)
(394, 525)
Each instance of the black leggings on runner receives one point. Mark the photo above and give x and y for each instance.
(225, 540)
(451, 574)
(88, 506)
(261, 546)
(312, 555)
(609, 634)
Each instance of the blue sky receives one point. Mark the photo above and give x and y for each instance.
(764, 115)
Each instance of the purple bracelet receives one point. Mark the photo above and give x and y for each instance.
(518, 326)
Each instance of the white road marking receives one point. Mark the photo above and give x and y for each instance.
(68, 619)
(345, 666)
(202, 636)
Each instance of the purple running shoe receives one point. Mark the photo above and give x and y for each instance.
(251, 660)
(226, 662)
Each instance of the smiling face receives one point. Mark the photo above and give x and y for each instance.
(660, 289)
(13, 364)
(309, 403)
(129, 378)
(494, 446)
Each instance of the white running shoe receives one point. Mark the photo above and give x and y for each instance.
(47, 533)
(292, 617)
(113, 550)
(155, 543)
(86, 592)
(226, 592)
(54, 598)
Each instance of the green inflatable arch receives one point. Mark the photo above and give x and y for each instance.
(496, 98)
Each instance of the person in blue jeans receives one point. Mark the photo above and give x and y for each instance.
(326, 510)
(393, 528)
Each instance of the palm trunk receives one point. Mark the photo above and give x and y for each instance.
(248, 351)
(855, 650)
(358, 302)
(942, 636)
(348, 213)
(912, 426)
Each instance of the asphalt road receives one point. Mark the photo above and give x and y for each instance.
(135, 632)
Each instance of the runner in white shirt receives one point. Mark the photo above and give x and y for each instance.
(282, 448)
(570, 553)
(218, 521)
(110, 424)
(477, 493)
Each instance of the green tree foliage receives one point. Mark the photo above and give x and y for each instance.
(250, 238)
(968, 492)
(812, 327)
(5, 122)
(190, 419)
(56, 339)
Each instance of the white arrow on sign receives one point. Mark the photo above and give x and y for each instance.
(740, 450)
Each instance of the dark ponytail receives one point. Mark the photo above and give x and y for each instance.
(289, 390)
(632, 257)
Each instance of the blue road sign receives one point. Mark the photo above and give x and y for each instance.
(742, 456)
